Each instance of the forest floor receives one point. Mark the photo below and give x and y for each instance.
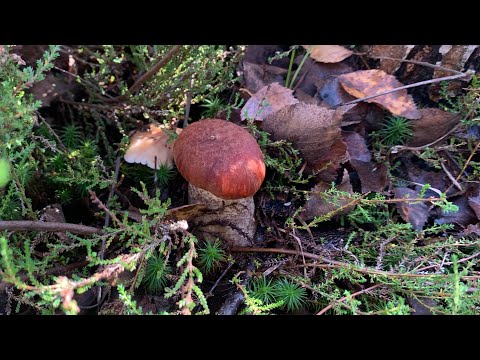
(370, 202)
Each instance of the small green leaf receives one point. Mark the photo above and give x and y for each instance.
(4, 172)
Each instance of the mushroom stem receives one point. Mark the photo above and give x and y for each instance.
(232, 221)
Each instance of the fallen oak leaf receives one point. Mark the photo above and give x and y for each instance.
(328, 53)
(366, 83)
(266, 101)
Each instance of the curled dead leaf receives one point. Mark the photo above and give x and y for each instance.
(149, 143)
(266, 101)
(433, 124)
(313, 75)
(320, 202)
(366, 83)
(328, 53)
(471, 230)
(416, 213)
(315, 131)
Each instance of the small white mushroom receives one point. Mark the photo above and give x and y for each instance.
(149, 142)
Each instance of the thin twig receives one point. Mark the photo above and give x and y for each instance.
(60, 143)
(450, 263)
(450, 176)
(188, 103)
(301, 250)
(107, 220)
(418, 63)
(97, 201)
(426, 82)
(325, 309)
(149, 74)
(328, 263)
(465, 165)
(26, 225)
(210, 292)
(395, 149)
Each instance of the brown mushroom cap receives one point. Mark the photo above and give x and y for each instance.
(220, 157)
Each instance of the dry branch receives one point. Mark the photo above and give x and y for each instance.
(26, 225)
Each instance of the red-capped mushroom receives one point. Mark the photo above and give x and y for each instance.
(224, 167)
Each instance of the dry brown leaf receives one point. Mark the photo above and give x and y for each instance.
(414, 213)
(257, 76)
(328, 53)
(417, 174)
(315, 131)
(356, 146)
(471, 230)
(453, 57)
(333, 94)
(149, 143)
(259, 54)
(373, 176)
(392, 51)
(473, 195)
(320, 203)
(303, 97)
(313, 75)
(433, 124)
(365, 83)
(186, 212)
(266, 101)
(463, 216)
(474, 203)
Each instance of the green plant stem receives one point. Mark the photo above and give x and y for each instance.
(300, 66)
(336, 264)
(325, 309)
(26, 201)
(148, 75)
(289, 73)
